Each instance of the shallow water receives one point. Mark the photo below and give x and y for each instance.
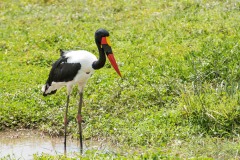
(24, 143)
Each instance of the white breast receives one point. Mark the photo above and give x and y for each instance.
(86, 60)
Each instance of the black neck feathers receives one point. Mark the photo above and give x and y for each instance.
(102, 59)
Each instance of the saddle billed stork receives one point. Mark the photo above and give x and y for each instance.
(76, 67)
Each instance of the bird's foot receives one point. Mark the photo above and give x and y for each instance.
(79, 119)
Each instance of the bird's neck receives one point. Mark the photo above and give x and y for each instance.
(102, 59)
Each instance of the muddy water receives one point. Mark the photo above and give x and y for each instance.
(24, 144)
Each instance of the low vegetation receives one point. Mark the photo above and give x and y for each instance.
(179, 96)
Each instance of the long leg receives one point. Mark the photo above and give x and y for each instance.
(65, 127)
(79, 119)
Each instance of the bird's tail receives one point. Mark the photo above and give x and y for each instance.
(46, 89)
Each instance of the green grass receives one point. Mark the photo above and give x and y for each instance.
(180, 60)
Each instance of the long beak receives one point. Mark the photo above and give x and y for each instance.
(114, 63)
(105, 42)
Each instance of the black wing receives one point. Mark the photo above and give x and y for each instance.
(62, 71)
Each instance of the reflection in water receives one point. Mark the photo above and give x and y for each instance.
(23, 144)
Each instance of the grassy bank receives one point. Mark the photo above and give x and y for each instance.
(181, 74)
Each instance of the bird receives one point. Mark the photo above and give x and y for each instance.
(75, 67)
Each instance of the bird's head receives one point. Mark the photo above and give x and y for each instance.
(102, 40)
